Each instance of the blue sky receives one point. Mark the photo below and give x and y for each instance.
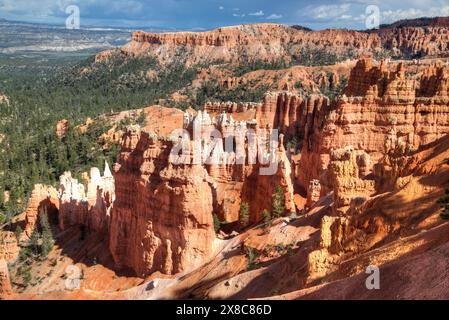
(208, 14)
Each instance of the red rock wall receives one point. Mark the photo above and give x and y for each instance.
(274, 42)
(162, 217)
(5, 282)
(42, 198)
(382, 108)
(9, 248)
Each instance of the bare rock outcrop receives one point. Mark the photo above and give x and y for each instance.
(5, 282)
(9, 248)
(62, 127)
(162, 217)
(91, 208)
(4, 99)
(383, 107)
(276, 42)
(42, 198)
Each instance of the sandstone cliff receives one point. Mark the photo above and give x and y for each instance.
(162, 217)
(5, 283)
(279, 42)
(382, 108)
(9, 248)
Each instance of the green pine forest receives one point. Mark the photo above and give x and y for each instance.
(41, 95)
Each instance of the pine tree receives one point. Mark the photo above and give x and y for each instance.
(18, 232)
(47, 236)
(278, 203)
(266, 215)
(216, 223)
(244, 213)
(34, 242)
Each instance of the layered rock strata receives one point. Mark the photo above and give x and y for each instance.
(9, 248)
(279, 42)
(5, 282)
(72, 205)
(381, 109)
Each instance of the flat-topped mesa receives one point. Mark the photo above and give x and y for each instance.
(267, 42)
(225, 36)
(262, 33)
(275, 42)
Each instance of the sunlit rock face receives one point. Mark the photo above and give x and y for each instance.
(384, 107)
(92, 208)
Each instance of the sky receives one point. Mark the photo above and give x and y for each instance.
(200, 15)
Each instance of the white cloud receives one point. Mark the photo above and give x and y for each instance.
(326, 11)
(257, 13)
(221, 8)
(346, 17)
(390, 16)
(274, 16)
(410, 13)
(238, 15)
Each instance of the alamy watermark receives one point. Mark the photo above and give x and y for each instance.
(372, 20)
(73, 277)
(73, 21)
(372, 282)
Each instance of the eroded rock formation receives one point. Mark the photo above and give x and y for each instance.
(42, 198)
(92, 208)
(382, 108)
(268, 42)
(162, 217)
(9, 248)
(61, 128)
(5, 282)
(72, 205)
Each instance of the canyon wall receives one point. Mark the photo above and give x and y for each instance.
(71, 205)
(271, 42)
(162, 217)
(9, 248)
(382, 108)
(92, 208)
(5, 282)
(382, 150)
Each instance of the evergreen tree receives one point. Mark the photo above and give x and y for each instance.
(278, 203)
(216, 223)
(244, 213)
(47, 236)
(266, 215)
(34, 242)
(18, 232)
